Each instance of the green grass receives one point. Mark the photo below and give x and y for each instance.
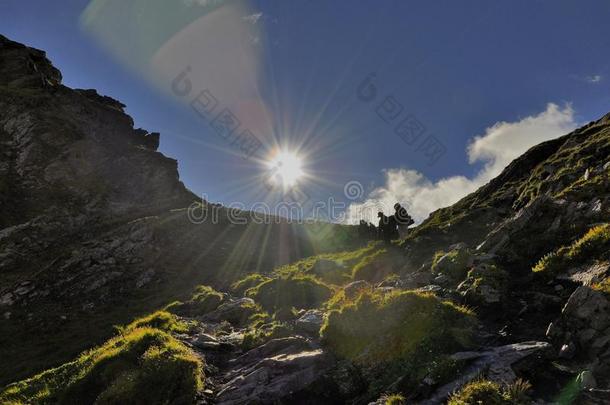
(453, 264)
(261, 332)
(158, 320)
(381, 328)
(478, 392)
(298, 291)
(394, 399)
(141, 365)
(490, 393)
(603, 286)
(400, 335)
(489, 275)
(378, 265)
(251, 280)
(594, 245)
(204, 299)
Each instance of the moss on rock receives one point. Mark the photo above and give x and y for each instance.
(382, 328)
(142, 365)
(298, 291)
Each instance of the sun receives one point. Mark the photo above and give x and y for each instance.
(286, 169)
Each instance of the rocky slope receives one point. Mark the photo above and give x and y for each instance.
(93, 225)
(502, 298)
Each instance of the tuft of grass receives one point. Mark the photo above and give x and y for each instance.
(489, 275)
(158, 320)
(298, 291)
(377, 328)
(251, 280)
(517, 392)
(205, 299)
(394, 399)
(261, 333)
(603, 286)
(377, 265)
(488, 392)
(478, 392)
(593, 245)
(453, 264)
(141, 365)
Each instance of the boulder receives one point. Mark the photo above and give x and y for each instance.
(235, 311)
(494, 364)
(583, 329)
(279, 369)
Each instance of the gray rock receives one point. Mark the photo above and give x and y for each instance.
(493, 364)
(279, 368)
(430, 288)
(354, 287)
(567, 351)
(586, 380)
(590, 306)
(310, 321)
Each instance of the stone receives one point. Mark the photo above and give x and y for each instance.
(235, 311)
(417, 279)
(586, 380)
(352, 289)
(7, 299)
(310, 322)
(442, 279)
(494, 364)
(567, 351)
(430, 288)
(280, 368)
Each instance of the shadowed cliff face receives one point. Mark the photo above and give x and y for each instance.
(74, 150)
(93, 225)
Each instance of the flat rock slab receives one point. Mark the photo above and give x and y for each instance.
(494, 363)
(275, 370)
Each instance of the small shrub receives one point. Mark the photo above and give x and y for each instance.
(298, 291)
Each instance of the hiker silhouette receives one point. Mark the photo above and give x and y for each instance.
(387, 229)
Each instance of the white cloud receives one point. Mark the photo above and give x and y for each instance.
(501, 143)
(594, 78)
(253, 18)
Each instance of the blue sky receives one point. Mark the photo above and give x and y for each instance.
(458, 68)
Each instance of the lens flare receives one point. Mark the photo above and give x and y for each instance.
(286, 169)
